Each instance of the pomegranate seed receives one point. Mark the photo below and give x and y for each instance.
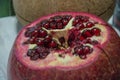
(45, 24)
(80, 25)
(42, 33)
(53, 25)
(88, 41)
(35, 56)
(89, 25)
(34, 33)
(71, 38)
(86, 49)
(78, 43)
(31, 52)
(53, 44)
(84, 19)
(77, 47)
(87, 33)
(65, 21)
(62, 40)
(76, 21)
(59, 25)
(39, 42)
(38, 26)
(48, 39)
(81, 38)
(29, 32)
(76, 31)
(41, 49)
(43, 55)
(78, 50)
(42, 23)
(68, 17)
(78, 17)
(58, 18)
(96, 31)
(30, 41)
(51, 19)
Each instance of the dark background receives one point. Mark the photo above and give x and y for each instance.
(6, 8)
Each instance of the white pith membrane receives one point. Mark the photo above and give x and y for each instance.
(69, 61)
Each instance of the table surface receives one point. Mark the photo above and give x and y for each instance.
(9, 28)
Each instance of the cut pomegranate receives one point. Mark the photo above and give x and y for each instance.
(68, 44)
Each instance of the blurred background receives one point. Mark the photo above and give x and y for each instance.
(7, 34)
(6, 8)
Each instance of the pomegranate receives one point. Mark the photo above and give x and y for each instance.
(28, 11)
(66, 46)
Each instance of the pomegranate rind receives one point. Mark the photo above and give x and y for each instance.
(104, 66)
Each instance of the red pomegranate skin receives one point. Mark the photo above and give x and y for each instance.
(106, 67)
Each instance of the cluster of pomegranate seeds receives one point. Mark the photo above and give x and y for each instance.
(82, 51)
(82, 22)
(79, 38)
(43, 41)
(89, 33)
(38, 53)
(79, 35)
(89, 41)
(56, 22)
